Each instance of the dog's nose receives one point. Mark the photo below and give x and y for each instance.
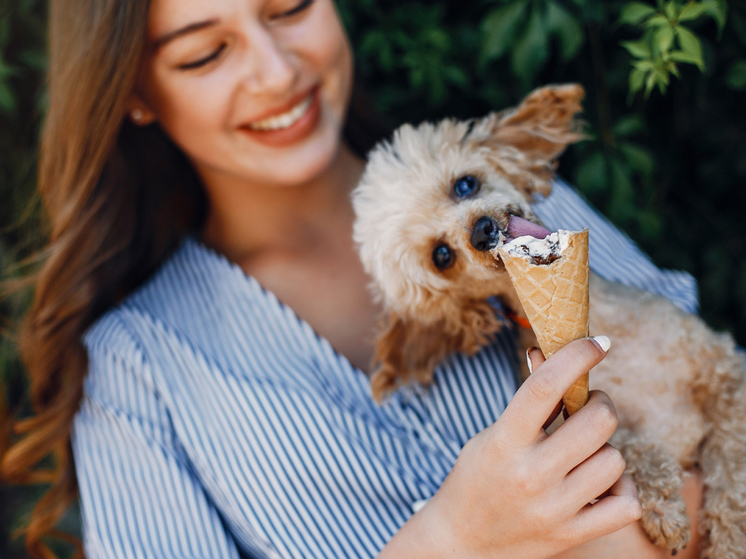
(484, 234)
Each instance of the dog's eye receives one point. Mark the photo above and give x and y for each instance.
(442, 257)
(466, 186)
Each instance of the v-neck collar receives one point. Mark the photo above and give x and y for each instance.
(257, 290)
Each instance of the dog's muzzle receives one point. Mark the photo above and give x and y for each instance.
(484, 236)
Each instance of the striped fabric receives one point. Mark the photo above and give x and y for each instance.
(217, 424)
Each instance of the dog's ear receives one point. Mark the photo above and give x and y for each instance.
(526, 140)
(477, 323)
(408, 351)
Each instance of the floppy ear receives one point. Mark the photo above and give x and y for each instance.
(525, 141)
(408, 350)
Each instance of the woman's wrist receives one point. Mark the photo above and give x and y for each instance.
(422, 537)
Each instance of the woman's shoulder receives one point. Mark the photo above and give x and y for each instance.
(188, 288)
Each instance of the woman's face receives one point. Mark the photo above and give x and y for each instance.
(249, 89)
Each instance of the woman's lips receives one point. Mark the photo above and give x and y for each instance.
(299, 130)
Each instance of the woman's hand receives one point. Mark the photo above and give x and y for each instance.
(517, 492)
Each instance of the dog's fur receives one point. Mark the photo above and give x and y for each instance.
(678, 387)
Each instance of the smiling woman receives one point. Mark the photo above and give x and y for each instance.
(200, 334)
(242, 91)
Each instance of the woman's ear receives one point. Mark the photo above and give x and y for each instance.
(408, 350)
(525, 141)
(139, 112)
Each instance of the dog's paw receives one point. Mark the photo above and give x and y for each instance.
(659, 479)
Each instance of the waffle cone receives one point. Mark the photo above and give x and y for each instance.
(555, 300)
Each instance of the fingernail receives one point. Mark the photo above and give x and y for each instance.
(528, 359)
(602, 342)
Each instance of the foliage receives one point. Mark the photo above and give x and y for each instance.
(666, 166)
(656, 53)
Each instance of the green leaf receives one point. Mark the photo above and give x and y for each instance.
(592, 174)
(36, 59)
(567, 28)
(670, 10)
(621, 203)
(658, 21)
(457, 75)
(500, 27)
(636, 81)
(681, 56)
(691, 45)
(531, 50)
(638, 49)
(629, 125)
(664, 38)
(650, 223)
(717, 10)
(639, 158)
(736, 78)
(634, 12)
(691, 11)
(644, 65)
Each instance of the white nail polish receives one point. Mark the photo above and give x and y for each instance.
(417, 505)
(528, 361)
(603, 342)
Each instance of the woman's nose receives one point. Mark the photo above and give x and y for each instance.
(271, 66)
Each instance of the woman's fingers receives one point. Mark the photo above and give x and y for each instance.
(535, 400)
(535, 357)
(594, 478)
(611, 513)
(583, 433)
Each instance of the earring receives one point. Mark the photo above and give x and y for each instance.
(137, 115)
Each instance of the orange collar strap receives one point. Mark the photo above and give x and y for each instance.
(521, 321)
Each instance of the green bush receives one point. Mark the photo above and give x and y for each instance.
(666, 156)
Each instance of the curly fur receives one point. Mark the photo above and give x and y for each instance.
(678, 387)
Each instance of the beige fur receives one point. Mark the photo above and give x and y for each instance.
(678, 387)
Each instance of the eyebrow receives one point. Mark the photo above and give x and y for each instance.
(161, 41)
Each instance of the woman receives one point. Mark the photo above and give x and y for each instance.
(208, 418)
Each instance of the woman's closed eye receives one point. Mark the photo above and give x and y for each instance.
(204, 61)
(302, 6)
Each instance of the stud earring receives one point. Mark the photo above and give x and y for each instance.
(137, 115)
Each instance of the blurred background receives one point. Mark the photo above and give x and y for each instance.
(666, 158)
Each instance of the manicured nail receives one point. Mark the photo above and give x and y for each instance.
(528, 359)
(602, 342)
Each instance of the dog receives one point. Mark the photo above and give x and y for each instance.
(678, 386)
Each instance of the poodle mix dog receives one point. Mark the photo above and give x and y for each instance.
(678, 387)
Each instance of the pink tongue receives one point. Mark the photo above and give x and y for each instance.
(519, 227)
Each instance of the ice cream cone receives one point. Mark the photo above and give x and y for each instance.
(555, 299)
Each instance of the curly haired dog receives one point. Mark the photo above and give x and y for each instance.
(678, 387)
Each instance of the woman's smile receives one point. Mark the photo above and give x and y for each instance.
(287, 127)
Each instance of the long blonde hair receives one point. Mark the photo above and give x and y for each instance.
(117, 199)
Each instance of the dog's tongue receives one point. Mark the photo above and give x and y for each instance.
(519, 227)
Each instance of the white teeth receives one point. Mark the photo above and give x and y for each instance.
(284, 120)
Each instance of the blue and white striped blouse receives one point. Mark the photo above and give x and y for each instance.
(217, 424)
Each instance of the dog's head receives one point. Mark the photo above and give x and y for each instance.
(430, 206)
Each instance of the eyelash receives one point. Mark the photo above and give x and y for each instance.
(305, 4)
(203, 61)
(299, 8)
